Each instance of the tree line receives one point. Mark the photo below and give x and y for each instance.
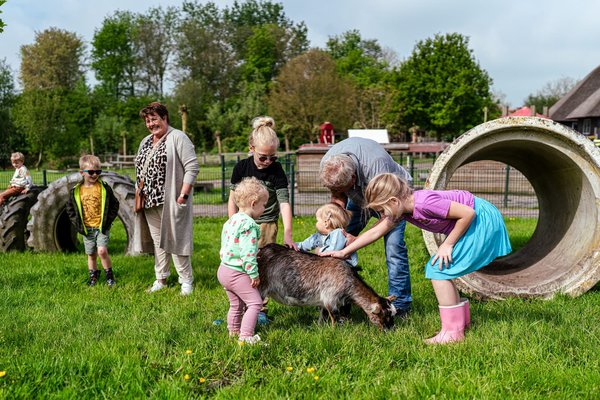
(226, 66)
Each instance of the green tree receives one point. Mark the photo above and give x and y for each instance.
(263, 38)
(442, 88)
(367, 65)
(307, 92)
(362, 60)
(114, 55)
(154, 41)
(37, 114)
(225, 56)
(55, 60)
(2, 24)
(548, 95)
(10, 140)
(53, 110)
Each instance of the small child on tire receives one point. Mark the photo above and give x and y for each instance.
(92, 208)
(21, 181)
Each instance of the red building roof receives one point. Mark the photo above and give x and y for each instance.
(524, 112)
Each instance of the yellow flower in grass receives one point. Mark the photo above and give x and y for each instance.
(201, 380)
(289, 369)
(316, 377)
(188, 351)
(2, 374)
(310, 370)
(186, 377)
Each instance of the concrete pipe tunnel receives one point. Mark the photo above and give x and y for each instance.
(563, 167)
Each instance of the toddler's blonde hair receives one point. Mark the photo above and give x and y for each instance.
(263, 132)
(338, 217)
(383, 187)
(248, 190)
(17, 156)
(89, 160)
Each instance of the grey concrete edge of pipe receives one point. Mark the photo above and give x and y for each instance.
(563, 166)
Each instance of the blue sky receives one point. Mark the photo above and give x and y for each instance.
(522, 45)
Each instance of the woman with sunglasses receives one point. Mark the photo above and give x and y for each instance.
(166, 167)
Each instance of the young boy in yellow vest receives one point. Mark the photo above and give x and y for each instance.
(92, 208)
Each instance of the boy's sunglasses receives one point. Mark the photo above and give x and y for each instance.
(93, 171)
(265, 158)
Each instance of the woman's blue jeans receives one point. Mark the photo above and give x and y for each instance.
(396, 255)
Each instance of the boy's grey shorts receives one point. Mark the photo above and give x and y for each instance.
(94, 239)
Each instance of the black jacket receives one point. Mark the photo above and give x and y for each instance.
(110, 212)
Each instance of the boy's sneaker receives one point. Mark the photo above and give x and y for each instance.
(93, 277)
(186, 289)
(156, 286)
(110, 279)
(249, 339)
(263, 319)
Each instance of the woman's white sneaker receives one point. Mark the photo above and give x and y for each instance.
(156, 286)
(186, 289)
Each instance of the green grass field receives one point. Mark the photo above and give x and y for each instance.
(62, 339)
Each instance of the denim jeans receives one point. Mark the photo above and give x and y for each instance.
(396, 255)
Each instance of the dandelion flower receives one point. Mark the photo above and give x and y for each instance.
(316, 377)
(186, 377)
(241, 343)
(202, 380)
(188, 351)
(310, 370)
(2, 374)
(289, 369)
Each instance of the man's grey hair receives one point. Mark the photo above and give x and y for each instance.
(337, 171)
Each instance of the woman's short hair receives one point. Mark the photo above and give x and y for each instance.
(337, 171)
(90, 160)
(17, 156)
(338, 217)
(263, 132)
(155, 108)
(383, 187)
(248, 190)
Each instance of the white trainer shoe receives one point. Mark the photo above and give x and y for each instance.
(156, 286)
(249, 339)
(186, 289)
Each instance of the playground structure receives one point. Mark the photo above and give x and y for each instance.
(562, 166)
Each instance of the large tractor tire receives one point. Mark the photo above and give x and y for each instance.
(50, 228)
(13, 220)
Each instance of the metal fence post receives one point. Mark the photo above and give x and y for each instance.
(292, 186)
(222, 178)
(44, 178)
(506, 184)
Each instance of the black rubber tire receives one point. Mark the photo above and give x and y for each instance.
(50, 228)
(13, 220)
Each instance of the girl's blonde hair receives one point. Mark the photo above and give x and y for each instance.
(263, 132)
(17, 156)
(337, 171)
(248, 190)
(382, 188)
(338, 217)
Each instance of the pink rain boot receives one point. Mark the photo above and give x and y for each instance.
(467, 309)
(453, 325)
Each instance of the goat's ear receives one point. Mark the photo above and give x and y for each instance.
(391, 297)
(375, 308)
